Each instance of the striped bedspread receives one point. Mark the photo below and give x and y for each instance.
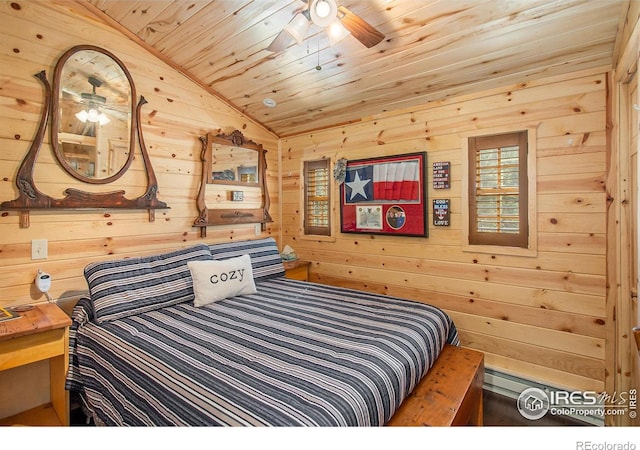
(294, 354)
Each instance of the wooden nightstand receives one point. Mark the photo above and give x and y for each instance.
(297, 269)
(40, 333)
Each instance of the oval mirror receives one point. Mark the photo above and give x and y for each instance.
(93, 115)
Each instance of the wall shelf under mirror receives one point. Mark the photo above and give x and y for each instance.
(234, 179)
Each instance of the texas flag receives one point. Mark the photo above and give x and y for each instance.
(384, 181)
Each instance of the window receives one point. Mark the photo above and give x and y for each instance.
(498, 190)
(317, 198)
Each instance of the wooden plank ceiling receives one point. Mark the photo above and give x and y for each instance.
(433, 49)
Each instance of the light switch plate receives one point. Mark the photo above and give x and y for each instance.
(39, 249)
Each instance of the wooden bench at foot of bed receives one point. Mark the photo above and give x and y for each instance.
(450, 393)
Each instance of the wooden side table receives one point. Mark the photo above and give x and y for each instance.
(40, 333)
(297, 269)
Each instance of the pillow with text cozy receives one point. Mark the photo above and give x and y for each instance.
(217, 280)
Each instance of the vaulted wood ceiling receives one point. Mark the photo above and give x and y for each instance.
(433, 49)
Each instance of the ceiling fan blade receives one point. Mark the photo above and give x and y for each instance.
(281, 42)
(360, 29)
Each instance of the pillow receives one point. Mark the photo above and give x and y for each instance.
(124, 287)
(216, 280)
(266, 261)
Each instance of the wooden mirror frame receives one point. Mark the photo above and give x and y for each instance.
(30, 198)
(227, 216)
(56, 113)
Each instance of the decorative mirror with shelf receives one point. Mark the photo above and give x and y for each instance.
(234, 178)
(94, 124)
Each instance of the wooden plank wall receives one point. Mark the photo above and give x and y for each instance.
(540, 317)
(622, 245)
(628, 358)
(34, 36)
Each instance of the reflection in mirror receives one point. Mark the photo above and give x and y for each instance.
(92, 124)
(234, 164)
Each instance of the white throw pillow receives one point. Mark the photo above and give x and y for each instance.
(217, 280)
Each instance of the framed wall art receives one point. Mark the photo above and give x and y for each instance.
(385, 195)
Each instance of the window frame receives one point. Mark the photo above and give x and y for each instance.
(315, 231)
(500, 243)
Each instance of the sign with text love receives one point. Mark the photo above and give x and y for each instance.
(441, 212)
(385, 195)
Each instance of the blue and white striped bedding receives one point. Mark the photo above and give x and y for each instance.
(294, 354)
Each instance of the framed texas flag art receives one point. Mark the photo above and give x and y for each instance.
(385, 196)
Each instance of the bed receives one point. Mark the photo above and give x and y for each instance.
(293, 353)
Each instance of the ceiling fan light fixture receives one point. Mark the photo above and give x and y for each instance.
(103, 119)
(281, 42)
(93, 115)
(323, 9)
(82, 116)
(323, 12)
(298, 27)
(336, 32)
(338, 22)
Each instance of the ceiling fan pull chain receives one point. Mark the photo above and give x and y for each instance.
(318, 67)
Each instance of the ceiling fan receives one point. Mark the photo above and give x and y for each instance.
(338, 21)
(92, 112)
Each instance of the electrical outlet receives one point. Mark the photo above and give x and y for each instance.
(258, 229)
(39, 249)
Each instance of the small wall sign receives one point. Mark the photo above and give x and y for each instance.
(237, 196)
(441, 212)
(441, 175)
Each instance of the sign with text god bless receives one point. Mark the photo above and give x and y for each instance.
(441, 213)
